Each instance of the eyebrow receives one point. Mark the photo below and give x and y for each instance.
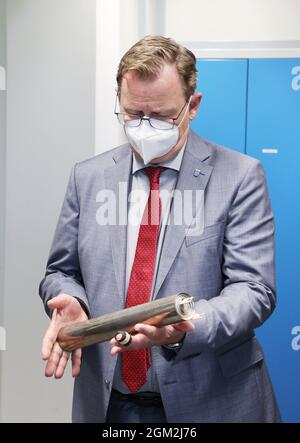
(131, 111)
(166, 112)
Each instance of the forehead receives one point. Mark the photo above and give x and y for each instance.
(165, 88)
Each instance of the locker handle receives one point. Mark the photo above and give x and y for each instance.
(269, 151)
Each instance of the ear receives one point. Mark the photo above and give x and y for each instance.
(194, 105)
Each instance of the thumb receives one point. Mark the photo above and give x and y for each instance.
(185, 326)
(59, 302)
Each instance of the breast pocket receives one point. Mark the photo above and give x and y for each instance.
(210, 232)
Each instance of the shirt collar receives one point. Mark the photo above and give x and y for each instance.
(174, 163)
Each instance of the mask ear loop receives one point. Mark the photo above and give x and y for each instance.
(184, 114)
(188, 127)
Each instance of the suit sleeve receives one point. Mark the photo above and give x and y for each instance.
(248, 296)
(63, 274)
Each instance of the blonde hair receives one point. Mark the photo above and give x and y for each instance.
(149, 54)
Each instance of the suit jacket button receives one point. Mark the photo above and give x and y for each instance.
(107, 382)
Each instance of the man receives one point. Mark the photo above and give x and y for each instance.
(208, 370)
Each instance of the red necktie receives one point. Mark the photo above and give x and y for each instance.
(136, 363)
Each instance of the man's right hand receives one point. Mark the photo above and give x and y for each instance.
(66, 310)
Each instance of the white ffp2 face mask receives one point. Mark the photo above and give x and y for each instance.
(150, 142)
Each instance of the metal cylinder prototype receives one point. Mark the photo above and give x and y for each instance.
(162, 312)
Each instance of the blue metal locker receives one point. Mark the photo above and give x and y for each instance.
(222, 114)
(273, 136)
(254, 105)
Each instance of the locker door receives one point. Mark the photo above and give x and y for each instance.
(273, 136)
(222, 114)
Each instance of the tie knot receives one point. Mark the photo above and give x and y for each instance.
(154, 174)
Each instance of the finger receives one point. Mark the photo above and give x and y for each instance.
(138, 341)
(150, 331)
(62, 364)
(115, 350)
(114, 342)
(186, 326)
(59, 302)
(163, 335)
(117, 347)
(76, 362)
(50, 337)
(53, 360)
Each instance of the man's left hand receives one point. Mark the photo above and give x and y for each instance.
(148, 335)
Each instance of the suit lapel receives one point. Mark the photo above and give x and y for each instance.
(117, 179)
(194, 175)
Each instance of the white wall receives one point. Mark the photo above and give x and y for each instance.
(249, 20)
(2, 167)
(50, 126)
(2, 142)
(120, 23)
(118, 28)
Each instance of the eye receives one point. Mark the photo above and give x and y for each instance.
(131, 116)
(162, 117)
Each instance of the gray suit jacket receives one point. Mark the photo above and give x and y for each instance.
(219, 374)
